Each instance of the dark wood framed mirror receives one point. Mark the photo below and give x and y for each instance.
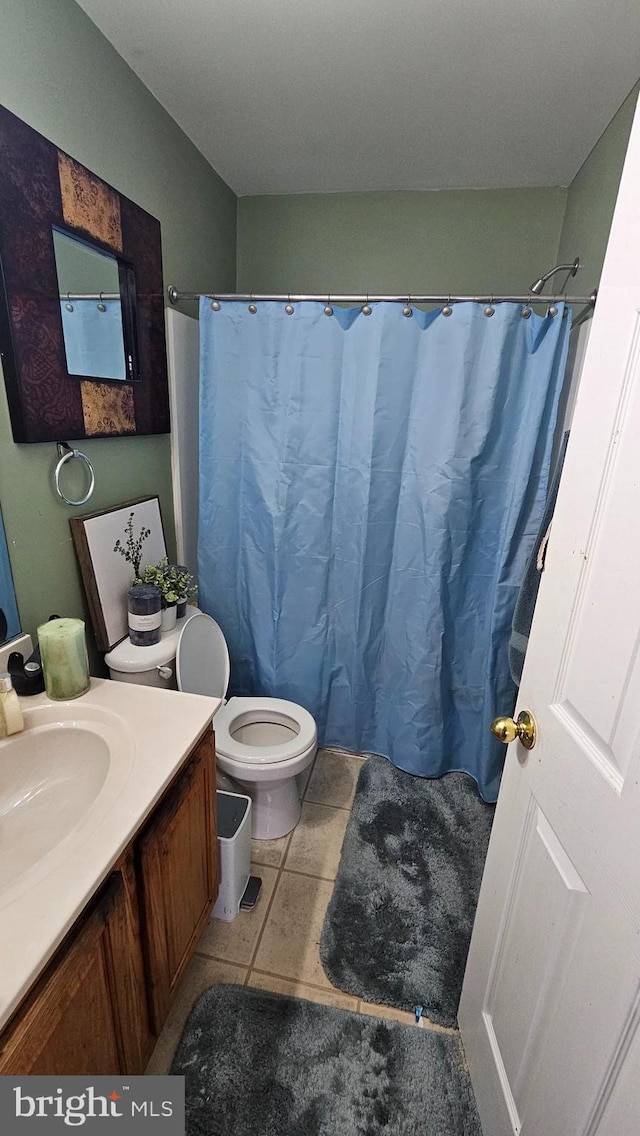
(81, 298)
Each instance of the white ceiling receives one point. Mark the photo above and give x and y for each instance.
(296, 96)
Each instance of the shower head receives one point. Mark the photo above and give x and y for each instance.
(539, 284)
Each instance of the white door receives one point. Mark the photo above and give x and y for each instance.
(550, 1009)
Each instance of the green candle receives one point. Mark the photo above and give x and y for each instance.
(64, 658)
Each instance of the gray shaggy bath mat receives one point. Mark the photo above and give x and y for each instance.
(398, 926)
(260, 1064)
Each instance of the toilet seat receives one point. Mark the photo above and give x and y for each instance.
(244, 711)
(202, 658)
(202, 667)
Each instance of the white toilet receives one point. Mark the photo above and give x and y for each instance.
(263, 743)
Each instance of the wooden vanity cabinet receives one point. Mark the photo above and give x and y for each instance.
(103, 998)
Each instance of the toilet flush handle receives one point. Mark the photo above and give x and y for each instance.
(164, 672)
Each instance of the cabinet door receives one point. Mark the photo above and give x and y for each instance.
(178, 877)
(128, 976)
(70, 1024)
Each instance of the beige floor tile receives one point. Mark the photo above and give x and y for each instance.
(316, 843)
(301, 990)
(333, 781)
(269, 852)
(289, 945)
(236, 941)
(428, 1024)
(199, 975)
(376, 1011)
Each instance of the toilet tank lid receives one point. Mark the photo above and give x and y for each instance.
(202, 658)
(129, 659)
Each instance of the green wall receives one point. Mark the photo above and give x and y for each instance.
(466, 241)
(592, 196)
(59, 74)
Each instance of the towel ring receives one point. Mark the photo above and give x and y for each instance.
(66, 454)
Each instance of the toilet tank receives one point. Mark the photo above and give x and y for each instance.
(163, 676)
(148, 666)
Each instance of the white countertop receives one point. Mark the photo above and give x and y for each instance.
(160, 727)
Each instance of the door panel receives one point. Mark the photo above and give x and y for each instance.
(546, 904)
(599, 673)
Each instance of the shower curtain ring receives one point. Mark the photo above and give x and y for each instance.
(252, 307)
(447, 309)
(328, 310)
(407, 310)
(552, 310)
(366, 310)
(490, 310)
(69, 305)
(215, 305)
(101, 306)
(526, 311)
(289, 307)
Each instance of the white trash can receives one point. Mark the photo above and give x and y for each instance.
(234, 843)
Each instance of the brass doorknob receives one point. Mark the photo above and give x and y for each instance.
(506, 730)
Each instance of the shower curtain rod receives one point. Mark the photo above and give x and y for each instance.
(90, 296)
(529, 299)
(406, 298)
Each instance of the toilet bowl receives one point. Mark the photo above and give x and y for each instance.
(262, 743)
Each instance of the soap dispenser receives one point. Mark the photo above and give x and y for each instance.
(11, 720)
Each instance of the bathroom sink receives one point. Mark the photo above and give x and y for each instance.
(60, 773)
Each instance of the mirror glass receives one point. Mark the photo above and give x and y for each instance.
(91, 308)
(9, 620)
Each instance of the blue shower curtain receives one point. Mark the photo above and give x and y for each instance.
(370, 487)
(94, 339)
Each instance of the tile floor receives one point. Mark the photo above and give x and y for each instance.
(275, 946)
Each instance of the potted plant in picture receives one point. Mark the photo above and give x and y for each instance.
(185, 586)
(132, 547)
(162, 575)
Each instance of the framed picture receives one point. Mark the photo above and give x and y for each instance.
(107, 544)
